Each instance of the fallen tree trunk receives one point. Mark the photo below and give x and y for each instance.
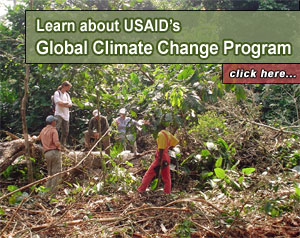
(11, 150)
(93, 161)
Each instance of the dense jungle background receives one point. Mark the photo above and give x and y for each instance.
(235, 172)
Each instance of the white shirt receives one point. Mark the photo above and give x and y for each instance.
(64, 112)
(123, 124)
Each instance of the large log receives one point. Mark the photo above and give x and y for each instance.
(11, 150)
(92, 161)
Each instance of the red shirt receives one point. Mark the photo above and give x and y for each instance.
(49, 138)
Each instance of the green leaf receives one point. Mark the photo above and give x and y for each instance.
(297, 191)
(222, 142)
(12, 200)
(129, 164)
(220, 173)
(234, 166)
(185, 73)
(32, 159)
(154, 184)
(194, 78)
(248, 171)
(2, 212)
(219, 162)
(241, 179)
(240, 92)
(12, 188)
(133, 114)
(205, 153)
(134, 78)
(53, 200)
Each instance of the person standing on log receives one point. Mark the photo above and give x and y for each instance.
(92, 132)
(161, 164)
(51, 148)
(63, 103)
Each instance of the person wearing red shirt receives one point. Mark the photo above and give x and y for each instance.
(51, 148)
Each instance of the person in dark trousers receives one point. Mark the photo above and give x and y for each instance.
(51, 149)
(165, 140)
(92, 132)
(63, 103)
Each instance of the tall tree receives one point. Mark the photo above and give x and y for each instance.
(23, 116)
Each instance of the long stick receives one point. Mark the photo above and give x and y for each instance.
(57, 174)
(15, 213)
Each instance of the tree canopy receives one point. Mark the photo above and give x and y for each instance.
(235, 172)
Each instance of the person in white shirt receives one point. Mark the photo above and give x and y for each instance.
(124, 125)
(63, 102)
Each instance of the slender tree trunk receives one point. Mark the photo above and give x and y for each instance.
(24, 124)
(23, 116)
(15, 3)
(103, 162)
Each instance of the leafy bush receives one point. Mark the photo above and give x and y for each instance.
(210, 126)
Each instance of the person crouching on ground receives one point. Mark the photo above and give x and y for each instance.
(51, 148)
(165, 140)
(93, 132)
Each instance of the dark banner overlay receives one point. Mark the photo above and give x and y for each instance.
(261, 73)
(163, 37)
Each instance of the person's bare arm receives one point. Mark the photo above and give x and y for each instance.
(35, 138)
(64, 104)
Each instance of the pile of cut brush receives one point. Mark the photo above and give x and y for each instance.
(153, 214)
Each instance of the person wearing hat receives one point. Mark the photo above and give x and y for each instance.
(93, 132)
(124, 125)
(51, 148)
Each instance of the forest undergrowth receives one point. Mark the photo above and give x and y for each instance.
(233, 176)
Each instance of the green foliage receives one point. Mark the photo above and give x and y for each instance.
(41, 189)
(248, 171)
(6, 173)
(229, 4)
(121, 180)
(220, 173)
(271, 208)
(2, 212)
(279, 103)
(154, 184)
(16, 197)
(289, 157)
(210, 126)
(185, 229)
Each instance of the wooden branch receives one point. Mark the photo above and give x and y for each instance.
(144, 73)
(13, 136)
(273, 128)
(204, 228)
(15, 213)
(195, 200)
(235, 219)
(57, 174)
(72, 223)
(160, 208)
